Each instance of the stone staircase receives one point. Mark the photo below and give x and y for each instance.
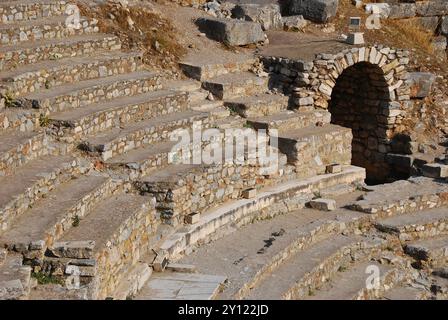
(94, 195)
(310, 254)
(89, 186)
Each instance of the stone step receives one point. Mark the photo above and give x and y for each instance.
(133, 281)
(204, 68)
(423, 224)
(181, 286)
(352, 283)
(433, 252)
(187, 85)
(216, 222)
(117, 141)
(118, 227)
(192, 87)
(86, 92)
(310, 149)
(49, 218)
(271, 238)
(403, 196)
(307, 270)
(236, 85)
(31, 182)
(78, 123)
(17, 148)
(258, 105)
(45, 28)
(14, 56)
(14, 11)
(142, 161)
(404, 292)
(48, 74)
(15, 278)
(290, 120)
(20, 119)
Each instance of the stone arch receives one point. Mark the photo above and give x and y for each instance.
(365, 89)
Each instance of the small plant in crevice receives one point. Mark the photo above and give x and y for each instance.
(44, 121)
(342, 269)
(75, 221)
(9, 100)
(43, 278)
(47, 84)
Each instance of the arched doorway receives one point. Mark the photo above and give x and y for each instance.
(358, 100)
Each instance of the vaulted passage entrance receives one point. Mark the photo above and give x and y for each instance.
(358, 101)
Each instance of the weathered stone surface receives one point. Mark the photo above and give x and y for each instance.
(440, 44)
(268, 15)
(428, 23)
(73, 249)
(315, 10)
(323, 204)
(402, 10)
(421, 83)
(294, 23)
(333, 168)
(444, 26)
(435, 170)
(431, 8)
(232, 32)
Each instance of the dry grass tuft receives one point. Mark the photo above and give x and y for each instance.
(410, 30)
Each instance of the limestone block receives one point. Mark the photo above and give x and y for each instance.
(192, 218)
(160, 262)
(435, 170)
(249, 193)
(432, 8)
(323, 204)
(268, 15)
(294, 23)
(444, 26)
(231, 32)
(420, 83)
(381, 9)
(180, 267)
(428, 23)
(402, 10)
(334, 168)
(315, 10)
(73, 249)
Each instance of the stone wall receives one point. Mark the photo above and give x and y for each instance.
(197, 188)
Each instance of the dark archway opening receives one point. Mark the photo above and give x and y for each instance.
(357, 102)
